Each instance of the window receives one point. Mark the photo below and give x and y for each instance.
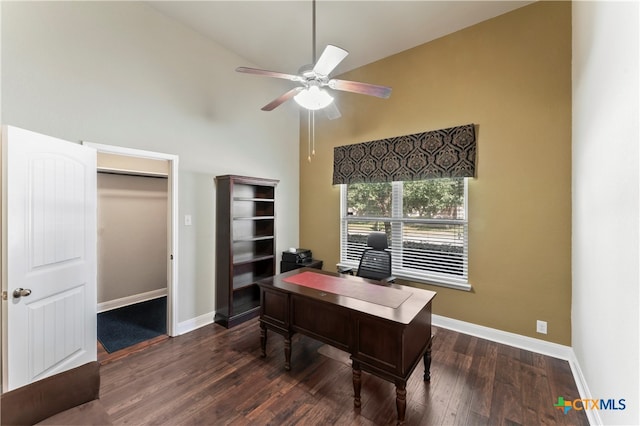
(425, 222)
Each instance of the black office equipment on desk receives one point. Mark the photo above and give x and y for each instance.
(298, 258)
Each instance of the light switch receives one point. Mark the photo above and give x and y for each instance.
(187, 220)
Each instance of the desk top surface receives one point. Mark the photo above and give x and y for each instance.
(395, 302)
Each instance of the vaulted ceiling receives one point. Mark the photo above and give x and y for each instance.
(277, 35)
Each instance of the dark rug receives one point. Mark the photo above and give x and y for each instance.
(129, 325)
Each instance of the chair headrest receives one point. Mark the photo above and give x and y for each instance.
(377, 241)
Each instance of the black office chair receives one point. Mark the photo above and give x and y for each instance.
(375, 263)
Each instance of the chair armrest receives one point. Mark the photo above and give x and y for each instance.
(345, 270)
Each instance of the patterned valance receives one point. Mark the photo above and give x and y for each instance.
(429, 155)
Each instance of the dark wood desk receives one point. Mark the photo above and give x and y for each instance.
(386, 329)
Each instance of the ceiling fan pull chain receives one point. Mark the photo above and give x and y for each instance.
(309, 138)
(313, 141)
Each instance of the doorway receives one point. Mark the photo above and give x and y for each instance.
(119, 161)
(132, 257)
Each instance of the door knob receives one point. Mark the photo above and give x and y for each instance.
(20, 292)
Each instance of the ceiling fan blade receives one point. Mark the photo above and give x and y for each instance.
(362, 88)
(332, 112)
(329, 59)
(282, 99)
(269, 73)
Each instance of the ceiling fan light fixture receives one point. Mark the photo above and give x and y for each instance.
(313, 98)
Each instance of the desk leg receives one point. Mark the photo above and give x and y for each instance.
(401, 402)
(263, 340)
(287, 352)
(357, 381)
(427, 361)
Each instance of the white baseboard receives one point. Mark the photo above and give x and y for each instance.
(534, 345)
(592, 415)
(130, 300)
(195, 323)
(530, 344)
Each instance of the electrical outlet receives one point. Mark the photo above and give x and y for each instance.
(187, 220)
(541, 327)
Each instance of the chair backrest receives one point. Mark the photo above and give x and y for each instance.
(375, 262)
(377, 241)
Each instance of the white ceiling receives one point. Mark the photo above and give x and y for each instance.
(276, 35)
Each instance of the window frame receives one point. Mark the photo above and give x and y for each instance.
(397, 220)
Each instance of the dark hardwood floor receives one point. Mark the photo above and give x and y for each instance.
(105, 357)
(215, 376)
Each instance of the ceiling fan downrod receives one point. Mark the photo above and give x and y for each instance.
(313, 32)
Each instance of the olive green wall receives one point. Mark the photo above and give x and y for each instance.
(511, 76)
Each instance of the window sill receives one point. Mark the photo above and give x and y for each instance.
(448, 284)
(456, 285)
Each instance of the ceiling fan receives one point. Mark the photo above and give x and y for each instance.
(311, 93)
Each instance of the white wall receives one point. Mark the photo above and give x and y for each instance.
(606, 216)
(120, 73)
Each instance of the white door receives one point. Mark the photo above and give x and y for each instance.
(49, 222)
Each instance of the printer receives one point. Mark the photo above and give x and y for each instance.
(297, 256)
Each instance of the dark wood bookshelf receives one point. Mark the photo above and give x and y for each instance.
(245, 245)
